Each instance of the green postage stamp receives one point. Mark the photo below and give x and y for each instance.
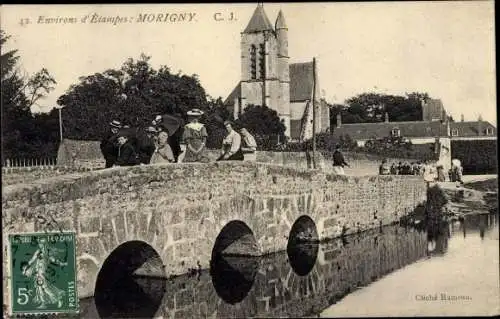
(43, 273)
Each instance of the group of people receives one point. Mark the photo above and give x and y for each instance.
(427, 169)
(413, 168)
(167, 139)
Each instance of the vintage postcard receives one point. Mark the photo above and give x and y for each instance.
(234, 160)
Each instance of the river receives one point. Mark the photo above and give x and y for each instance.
(452, 269)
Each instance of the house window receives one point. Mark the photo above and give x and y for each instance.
(454, 132)
(253, 62)
(396, 132)
(489, 131)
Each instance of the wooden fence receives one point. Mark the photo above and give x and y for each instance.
(29, 162)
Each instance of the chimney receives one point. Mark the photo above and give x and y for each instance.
(386, 117)
(339, 120)
(461, 118)
(480, 125)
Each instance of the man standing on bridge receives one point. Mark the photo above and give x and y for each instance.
(109, 148)
(339, 161)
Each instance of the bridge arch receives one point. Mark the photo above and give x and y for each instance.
(117, 289)
(302, 248)
(236, 238)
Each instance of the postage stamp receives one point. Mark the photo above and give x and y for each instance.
(43, 273)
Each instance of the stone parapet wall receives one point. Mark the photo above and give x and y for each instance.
(179, 210)
(17, 175)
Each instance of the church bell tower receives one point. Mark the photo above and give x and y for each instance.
(264, 64)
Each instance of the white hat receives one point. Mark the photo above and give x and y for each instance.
(116, 124)
(195, 112)
(158, 118)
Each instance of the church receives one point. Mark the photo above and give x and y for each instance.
(268, 78)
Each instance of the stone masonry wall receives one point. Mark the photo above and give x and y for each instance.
(16, 175)
(277, 291)
(179, 210)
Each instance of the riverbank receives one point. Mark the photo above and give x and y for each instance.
(459, 277)
(476, 196)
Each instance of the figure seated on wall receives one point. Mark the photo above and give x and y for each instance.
(231, 145)
(127, 155)
(163, 152)
(250, 145)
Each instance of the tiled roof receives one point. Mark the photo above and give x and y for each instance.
(295, 129)
(83, 150)
(363, 131)
(466, 129)
(301, 81)
(236, 93)
(259, 21)
(434, 110)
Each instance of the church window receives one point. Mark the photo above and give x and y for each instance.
(454, 132)
(253, 62)
(262, 61)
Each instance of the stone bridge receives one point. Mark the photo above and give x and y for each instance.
(277, 285)
(166, 219)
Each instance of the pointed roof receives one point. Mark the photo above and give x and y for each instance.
(259, 21)
(280, 21)
(301, 81)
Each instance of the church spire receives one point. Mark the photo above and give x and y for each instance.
(280, 21)
(259, 21)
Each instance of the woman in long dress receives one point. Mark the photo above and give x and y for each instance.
(194, 139)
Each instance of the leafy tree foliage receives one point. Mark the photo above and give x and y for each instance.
(25, 135)
(371, 107)
(134, 94)
(264, 124)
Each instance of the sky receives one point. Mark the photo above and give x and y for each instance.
(446, 49)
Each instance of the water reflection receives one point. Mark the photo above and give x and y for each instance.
(233, 277)
(302, 281)
(130, 297)
(302, 257)
(437, 239)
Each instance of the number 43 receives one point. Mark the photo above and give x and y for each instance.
(23, 295)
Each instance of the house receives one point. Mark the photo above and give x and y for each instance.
(416, 132)
(267, 78)
(437, 130)
(472, 130)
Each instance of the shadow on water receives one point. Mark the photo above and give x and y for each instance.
(303, 281)
(233, 277)
(121, 294)
(302, 257)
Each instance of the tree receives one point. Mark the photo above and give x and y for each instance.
(134, 94)
(371, 108)
(22, 133)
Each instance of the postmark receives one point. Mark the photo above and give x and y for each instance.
(43, 273)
